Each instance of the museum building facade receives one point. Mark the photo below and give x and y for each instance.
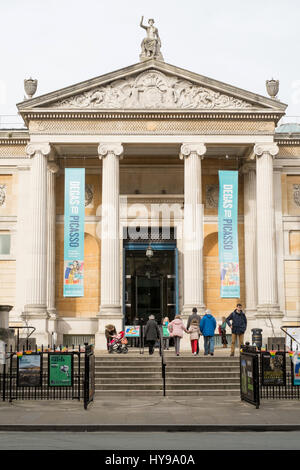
(152, 138)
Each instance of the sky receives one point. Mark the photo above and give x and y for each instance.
(63, 42)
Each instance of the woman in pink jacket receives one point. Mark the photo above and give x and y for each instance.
(176, 328)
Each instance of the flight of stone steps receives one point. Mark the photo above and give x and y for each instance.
(136, 374)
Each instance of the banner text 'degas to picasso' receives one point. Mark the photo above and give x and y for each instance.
(228, 234)
(74, 232)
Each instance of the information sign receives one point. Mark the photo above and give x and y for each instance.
(29, 370)
(60, 370)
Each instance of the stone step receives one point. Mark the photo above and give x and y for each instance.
(170, 381)
(132, 386)
(200, 386)
(178, 393)
(208, 392)
(127, 393)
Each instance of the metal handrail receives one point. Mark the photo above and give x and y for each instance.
(289, 326)
(163, 362)
(20, 328)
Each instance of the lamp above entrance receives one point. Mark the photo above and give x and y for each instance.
(149, 252)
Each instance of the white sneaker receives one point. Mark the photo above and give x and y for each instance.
(195, 354)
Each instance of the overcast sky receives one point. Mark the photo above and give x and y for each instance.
(63, 42)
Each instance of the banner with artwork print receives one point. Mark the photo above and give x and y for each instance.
(74, 232)
(228, 234)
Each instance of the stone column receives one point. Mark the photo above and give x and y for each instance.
(250, 239)
(266, 244)
(51, 226)
(250, 247)
(110, 308)
(193, 290)
(36, 293)
(22, 242)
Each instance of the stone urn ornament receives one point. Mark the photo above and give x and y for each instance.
(30, 87)
(272, 87)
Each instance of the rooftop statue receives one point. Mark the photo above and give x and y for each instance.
(151, 44)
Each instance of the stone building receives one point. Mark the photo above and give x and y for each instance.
(151, 138)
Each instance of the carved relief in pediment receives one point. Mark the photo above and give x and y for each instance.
(152, 90)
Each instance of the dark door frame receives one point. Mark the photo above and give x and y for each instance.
(171, 246)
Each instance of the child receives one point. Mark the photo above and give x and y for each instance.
(194, 331)
(166, 340)
(222, 332)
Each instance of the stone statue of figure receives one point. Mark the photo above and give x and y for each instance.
(151, 44)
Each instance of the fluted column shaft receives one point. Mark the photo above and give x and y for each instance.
(250, 239)
(266, 247)
(51, 226)
(193, 227)
(110, 242)
(37, 282)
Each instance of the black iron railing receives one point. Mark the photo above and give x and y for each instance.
(58, 373)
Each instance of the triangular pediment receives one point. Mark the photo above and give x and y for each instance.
(151, 85)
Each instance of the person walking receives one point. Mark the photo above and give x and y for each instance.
(166, 340)
(207, 327)
(176, 328)
(152, 333)
(238, 326)
(222, 332)
(190, 319)
(194, 331)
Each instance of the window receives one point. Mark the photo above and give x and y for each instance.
(4, 244)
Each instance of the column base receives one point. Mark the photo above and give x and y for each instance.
(35, 311)
(269, 319)
(37, 317)
(108, 315)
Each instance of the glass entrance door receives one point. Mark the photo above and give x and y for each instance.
(149, 298)
(150, 285)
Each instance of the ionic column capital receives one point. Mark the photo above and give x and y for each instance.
(42, 148)
(189, 148)
(116, 148)
(270, 148)
(53, 167)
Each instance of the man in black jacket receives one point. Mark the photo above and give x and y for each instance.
(190, 319)
(238, 326)
(151, 333)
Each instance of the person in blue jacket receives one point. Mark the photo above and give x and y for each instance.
(207, 327)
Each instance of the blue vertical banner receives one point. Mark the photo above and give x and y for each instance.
(74, 232)
(228, 234)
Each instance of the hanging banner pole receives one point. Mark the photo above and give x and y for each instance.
(74, 232)
(228, 234)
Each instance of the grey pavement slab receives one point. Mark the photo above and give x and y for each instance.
(157, 412)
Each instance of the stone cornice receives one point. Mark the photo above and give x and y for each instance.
(14, 141)
(257, 114)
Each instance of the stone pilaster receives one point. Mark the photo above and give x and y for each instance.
(250, 239)
(250, 247)
(23, 239)
(193, 290)
(266, 244)
(51, 225)
(36, 292)
(110, 308)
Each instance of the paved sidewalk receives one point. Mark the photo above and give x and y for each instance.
(151, 414)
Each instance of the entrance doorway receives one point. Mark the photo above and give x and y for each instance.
(150, 284)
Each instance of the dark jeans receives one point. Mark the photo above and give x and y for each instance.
(209, 342)
(151, 346)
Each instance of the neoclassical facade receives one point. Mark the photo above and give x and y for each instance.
(152, 138)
